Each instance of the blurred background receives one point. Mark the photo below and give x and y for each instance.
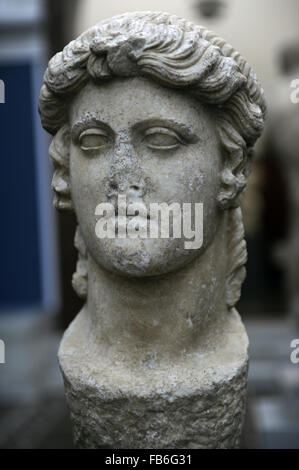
(38, 258)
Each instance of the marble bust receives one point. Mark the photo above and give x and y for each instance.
(154, 108)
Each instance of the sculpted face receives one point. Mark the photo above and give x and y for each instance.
(135, 138)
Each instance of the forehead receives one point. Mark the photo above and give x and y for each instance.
(125, 102)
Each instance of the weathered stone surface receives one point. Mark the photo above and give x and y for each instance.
(154, 108)
(197, 401)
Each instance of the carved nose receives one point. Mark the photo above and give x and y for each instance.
(125, 175)
(135, 190)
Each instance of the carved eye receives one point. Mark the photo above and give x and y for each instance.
(161, 138)
(93, 139)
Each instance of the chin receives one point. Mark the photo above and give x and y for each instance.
(143, 257)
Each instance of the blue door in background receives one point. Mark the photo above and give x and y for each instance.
(20, 273)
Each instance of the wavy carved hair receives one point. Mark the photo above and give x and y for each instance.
(178, 54)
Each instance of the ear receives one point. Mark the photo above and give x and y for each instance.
(236, 166)
(59, 153)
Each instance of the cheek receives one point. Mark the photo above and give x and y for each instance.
(174, 177)
(199, 178)
(87, 174)
(87, 177)
(204, 185)
(201, 183)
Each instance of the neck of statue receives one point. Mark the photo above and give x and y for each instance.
(157, 318)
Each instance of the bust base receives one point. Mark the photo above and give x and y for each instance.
(196, 402)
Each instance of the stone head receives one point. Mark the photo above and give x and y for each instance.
(160, 110)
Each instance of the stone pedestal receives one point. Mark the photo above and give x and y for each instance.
(197, 402)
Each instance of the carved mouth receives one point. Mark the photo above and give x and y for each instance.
(130, 216)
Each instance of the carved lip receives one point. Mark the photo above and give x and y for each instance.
(130, 216)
